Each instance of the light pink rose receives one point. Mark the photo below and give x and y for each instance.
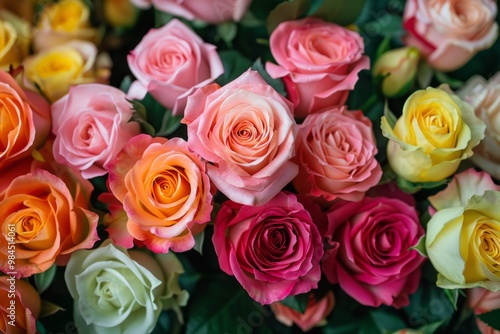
(205, 10)
(482, 300)
(314, 315)
(319, 62)
(335, 151)
(484, 97)
(368, 250)
(170, 63)
(91, 125)
(247, 131)
(273, 250)
(449, 32)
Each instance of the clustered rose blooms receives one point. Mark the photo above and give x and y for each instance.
(319, 62)
(21, 309)
(449, 32)
(484, 97)
(273, 250)
(164, 190)
(205, 10)
(247, 131)
(335, 150)
(170, 63)
(91, 124)
(369, 253)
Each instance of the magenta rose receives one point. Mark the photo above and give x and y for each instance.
(335, 151)
(273, 250)
(246, 131)
(450, 32)
(368, 252)
(91, 125)
(170, 63)
(319, 62)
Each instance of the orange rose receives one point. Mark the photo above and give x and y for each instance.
(19, 306)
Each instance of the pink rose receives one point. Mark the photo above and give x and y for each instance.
(165, 193)
(314, 315)
(449, 32)
(335, 151)
(369, 251)
(481, 301)
(170, 63)
(319, 62)
(247, 131)
(273, 250)
(91, 125)
(203, 10)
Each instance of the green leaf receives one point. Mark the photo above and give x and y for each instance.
(126, 83)
(391, 118)
(234, 65)
(491, 318)
(49, 308)
(386, 321)
(39, 328)
(445, 79)
(286, 11)
(198, 242)
(452, 295)
(139, 115)
(277, 84)
(227, 32)
(44, 280)
(297, 302)
(343, 12)
(169, 124)
(232, 311)
(414, 187)
(424, 75)
(162, 18)
(420, 246)
(431, 328)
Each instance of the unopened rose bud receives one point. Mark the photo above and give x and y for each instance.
(396, 70)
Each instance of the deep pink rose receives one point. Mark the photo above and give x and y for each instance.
(273, 250)
(449, 32)
(170, 63)
(247, 131)
(369, 251)
(91, 125)
(335, 151)
(319, 62)
(204, 10)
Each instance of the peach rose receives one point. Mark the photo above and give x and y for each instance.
(247, 131)
(170, 63)
(481, 301)
(164, 190)
(20, 306)
(449, 32)
(484, 96)
(25, 122)
(319, 62)
(45, 221)
(335, 151)
(314, 315)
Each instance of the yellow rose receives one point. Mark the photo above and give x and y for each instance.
(434, 133)
(14, 39)
(463, 243)
(61, 22)
(120, 13)
(54, 70)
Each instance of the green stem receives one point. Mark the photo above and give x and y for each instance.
(368, 104)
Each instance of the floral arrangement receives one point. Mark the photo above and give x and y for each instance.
(249, 166)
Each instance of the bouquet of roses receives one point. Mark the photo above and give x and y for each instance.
(239, 166)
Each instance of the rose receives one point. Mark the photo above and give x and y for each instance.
(113, 291)
(314, 315)
(369, 250)
(205, 10)
(120, 13)
(462, 243)
(25, 120)
(247, 131)
(91, 125)
(450, 32)
(319, 62)
(15, 44)
(20, 306)
(55, 69)
(483, 96)
(396, 70)
(273, 250)
(335, 151)
(164, 190)
(45, 220)
(61, 22)
(436, 131)
(170, 63)
(481, 301)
